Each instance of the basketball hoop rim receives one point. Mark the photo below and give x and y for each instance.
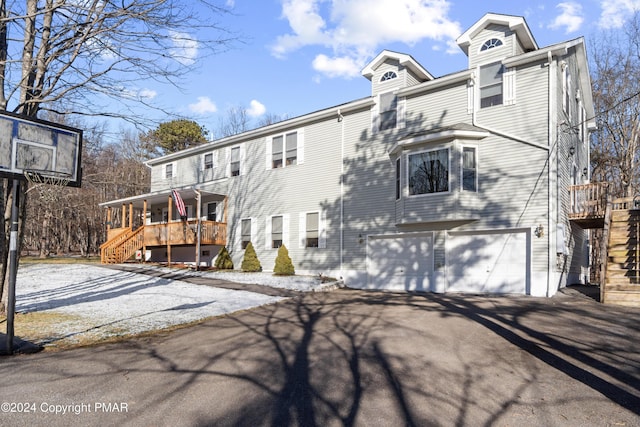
(38, 176)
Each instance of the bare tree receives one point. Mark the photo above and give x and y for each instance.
(235, 121)
(615, 64)
(91, 58)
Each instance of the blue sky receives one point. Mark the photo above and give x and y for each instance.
(300, 56)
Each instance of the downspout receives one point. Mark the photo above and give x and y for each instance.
(341, 120)
(552, 120)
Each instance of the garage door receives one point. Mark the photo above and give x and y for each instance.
(400, 262)
(488, 262)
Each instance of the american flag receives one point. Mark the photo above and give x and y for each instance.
(182, 210)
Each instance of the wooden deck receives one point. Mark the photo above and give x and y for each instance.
(588, 204)
(122, 243)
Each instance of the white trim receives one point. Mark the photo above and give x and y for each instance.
(322, 230)
(269, 152)
(243, 159)
(302, 230)
(285, 230)
(300, 146)
(267, 232)
(509, 86)
(401, 108)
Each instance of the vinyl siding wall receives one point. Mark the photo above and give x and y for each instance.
(509, 47)
(570, 268)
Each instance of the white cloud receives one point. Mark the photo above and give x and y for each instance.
(571, 17)
(147, 94)
(615, 12)
(337, 66)
(203, 106)
(356, 30)
(256, 109)
(185, 47)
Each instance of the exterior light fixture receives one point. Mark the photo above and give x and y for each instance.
(572, 151)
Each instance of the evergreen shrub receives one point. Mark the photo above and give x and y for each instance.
(250, 261)
(284, 265)
(223, 260)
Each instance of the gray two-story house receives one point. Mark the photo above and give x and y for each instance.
(459, 183)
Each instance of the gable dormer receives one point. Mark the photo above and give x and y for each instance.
(495, 37)
(392, 71)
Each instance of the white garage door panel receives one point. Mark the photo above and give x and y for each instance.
(400, 263)
(495, 263)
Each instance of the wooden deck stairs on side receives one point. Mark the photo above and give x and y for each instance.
(622, 277)
(123, 246)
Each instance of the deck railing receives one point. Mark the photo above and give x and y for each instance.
(588, 201)
(184, 233)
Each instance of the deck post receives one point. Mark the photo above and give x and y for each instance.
(124, 216)
(109, 224)
(170, 214)
(144, 223)
(131, 216)
(198, 227)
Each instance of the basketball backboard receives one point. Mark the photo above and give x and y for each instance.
(39, 147)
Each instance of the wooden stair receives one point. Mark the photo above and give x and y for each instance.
(622, 283)
(122, 247)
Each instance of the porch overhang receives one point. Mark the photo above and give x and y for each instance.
(157, 197)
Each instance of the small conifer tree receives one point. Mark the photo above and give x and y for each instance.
(250, 261)
(284, 265)
(224, 261)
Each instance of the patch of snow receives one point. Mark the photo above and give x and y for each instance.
(109, 302)
(295, 283)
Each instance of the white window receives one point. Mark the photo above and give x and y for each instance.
(285, 150)
(208, 164)
(389, 75)
(491, 84)
(469, 169)
(245, 232)
(207, 161)
(388, 113)
(169, 170)
(428, 172)
(312, 230)
(277, 231)
(235, 161)
(490, 44)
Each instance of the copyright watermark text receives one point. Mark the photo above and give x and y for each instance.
(63, 409)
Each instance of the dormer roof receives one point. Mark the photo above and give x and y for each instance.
(517, 24)
(404, 60)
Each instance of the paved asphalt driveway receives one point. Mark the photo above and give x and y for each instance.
(351, 358)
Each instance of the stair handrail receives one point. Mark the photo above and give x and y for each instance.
(123, 235)
(120, 247)
(604, 246)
